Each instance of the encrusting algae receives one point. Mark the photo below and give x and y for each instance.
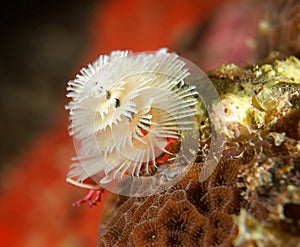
(252, 198)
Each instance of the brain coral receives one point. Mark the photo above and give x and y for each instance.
(189, 213)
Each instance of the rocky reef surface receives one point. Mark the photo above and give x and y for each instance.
(252, 198)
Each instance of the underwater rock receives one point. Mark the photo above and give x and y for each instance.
(252, 198)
